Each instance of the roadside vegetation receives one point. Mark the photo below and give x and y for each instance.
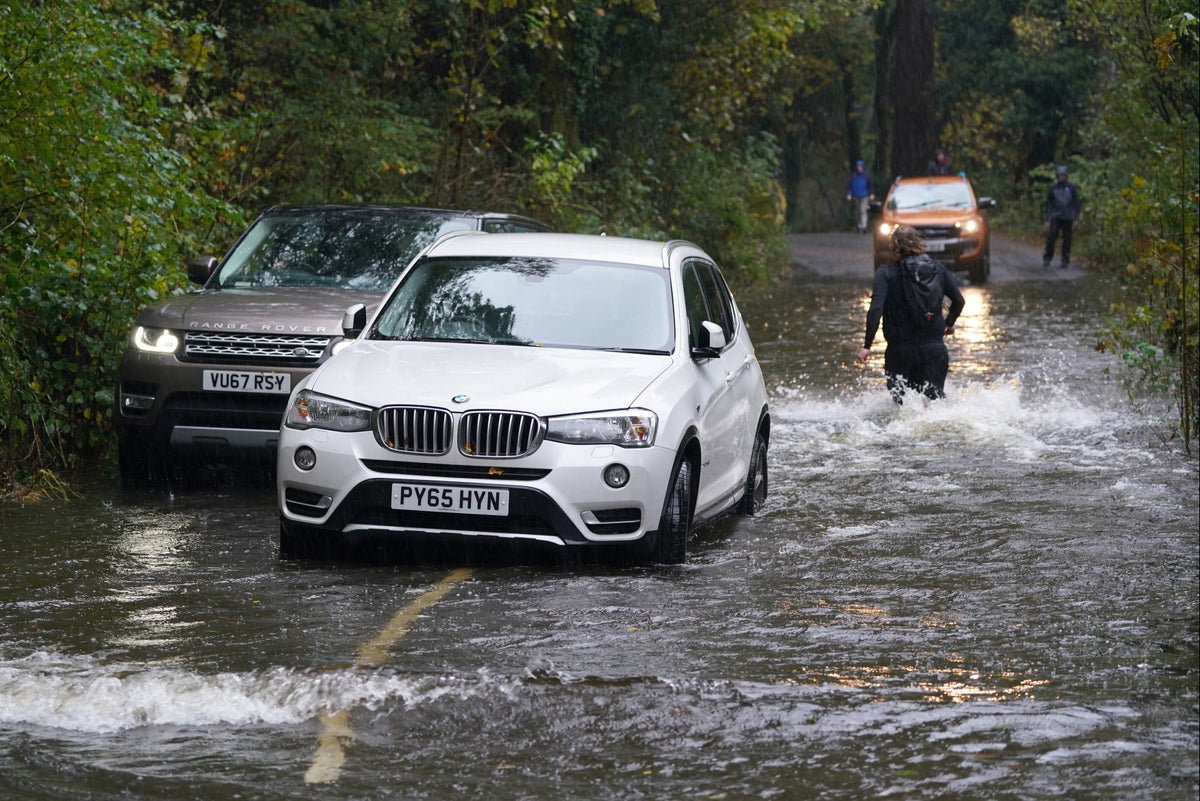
(137, 133)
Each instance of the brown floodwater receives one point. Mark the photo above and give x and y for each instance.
(990, 597)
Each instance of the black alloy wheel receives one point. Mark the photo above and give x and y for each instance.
(756, 480)
(670, 541)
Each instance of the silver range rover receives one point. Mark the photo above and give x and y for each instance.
(205, 376)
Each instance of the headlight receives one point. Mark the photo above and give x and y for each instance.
(310, 410)
(630, 428)
(155, 340)
(971, 226)
(885, 229)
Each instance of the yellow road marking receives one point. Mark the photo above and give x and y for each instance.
(335, 725)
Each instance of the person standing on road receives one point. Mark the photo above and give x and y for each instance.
(860, 191)
(940, 164)
(908, 295)
(1060, 213)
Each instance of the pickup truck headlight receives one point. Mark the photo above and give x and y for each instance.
(154, 340)
(311, 410)
(628, 428)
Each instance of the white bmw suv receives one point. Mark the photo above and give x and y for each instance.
(562, 388)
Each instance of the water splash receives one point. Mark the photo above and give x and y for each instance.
(1000, 416)
(91, 694)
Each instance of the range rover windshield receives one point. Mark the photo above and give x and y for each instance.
(560, 303)
(349, 250)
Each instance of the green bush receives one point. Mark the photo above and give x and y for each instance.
(730, 204)
(1150, 225)
(98, 208)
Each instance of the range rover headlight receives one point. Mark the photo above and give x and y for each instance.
(311, 410)
(628, 428)
(154, 340)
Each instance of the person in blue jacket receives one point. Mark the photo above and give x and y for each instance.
(909, 296)
(860, 191)
(1060, 213)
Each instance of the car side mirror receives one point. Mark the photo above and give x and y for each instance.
(987, 203)
(354, 321)
(875, 206)
(201, 268)
(710, 339)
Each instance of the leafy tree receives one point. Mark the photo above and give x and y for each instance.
(1145, 195)
(96, 206)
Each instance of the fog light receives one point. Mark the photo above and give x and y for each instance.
(616, 475)
(137, 403)
(305, 458)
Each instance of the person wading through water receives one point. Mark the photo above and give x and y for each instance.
(908, 294)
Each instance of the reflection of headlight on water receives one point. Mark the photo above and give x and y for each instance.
(975, 342)
(154, 556)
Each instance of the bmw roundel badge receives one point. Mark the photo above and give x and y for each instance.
(460, 398)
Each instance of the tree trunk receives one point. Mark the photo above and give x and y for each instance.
(853, 128)
(880, 163)
(913, 134)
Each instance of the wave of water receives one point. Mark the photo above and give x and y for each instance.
(88, 694)
(91, 694)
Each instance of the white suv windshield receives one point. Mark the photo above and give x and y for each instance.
(907, 197)
(527, 301)
(345, 251)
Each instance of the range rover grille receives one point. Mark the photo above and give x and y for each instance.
(253, 348)
(414, 429)
(499, 434)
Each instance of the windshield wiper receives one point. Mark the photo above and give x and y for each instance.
(466, 340)
(644, 351)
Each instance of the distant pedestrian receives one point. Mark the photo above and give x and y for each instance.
(908, 295)
(860, 191)
(940, 164)
(1060, 213)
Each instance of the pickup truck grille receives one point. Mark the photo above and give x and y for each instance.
(938, 231)
(273, 349)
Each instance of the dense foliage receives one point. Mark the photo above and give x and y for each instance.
(97, 206)
(136, 133)
(1146, 182)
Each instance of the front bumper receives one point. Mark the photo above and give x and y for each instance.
(162, 405)
(556, 495)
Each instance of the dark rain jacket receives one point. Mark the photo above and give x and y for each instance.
(1062, 202)
(903, 322)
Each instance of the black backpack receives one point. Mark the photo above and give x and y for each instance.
(921, 281)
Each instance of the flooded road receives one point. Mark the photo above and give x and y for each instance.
(992, 597)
